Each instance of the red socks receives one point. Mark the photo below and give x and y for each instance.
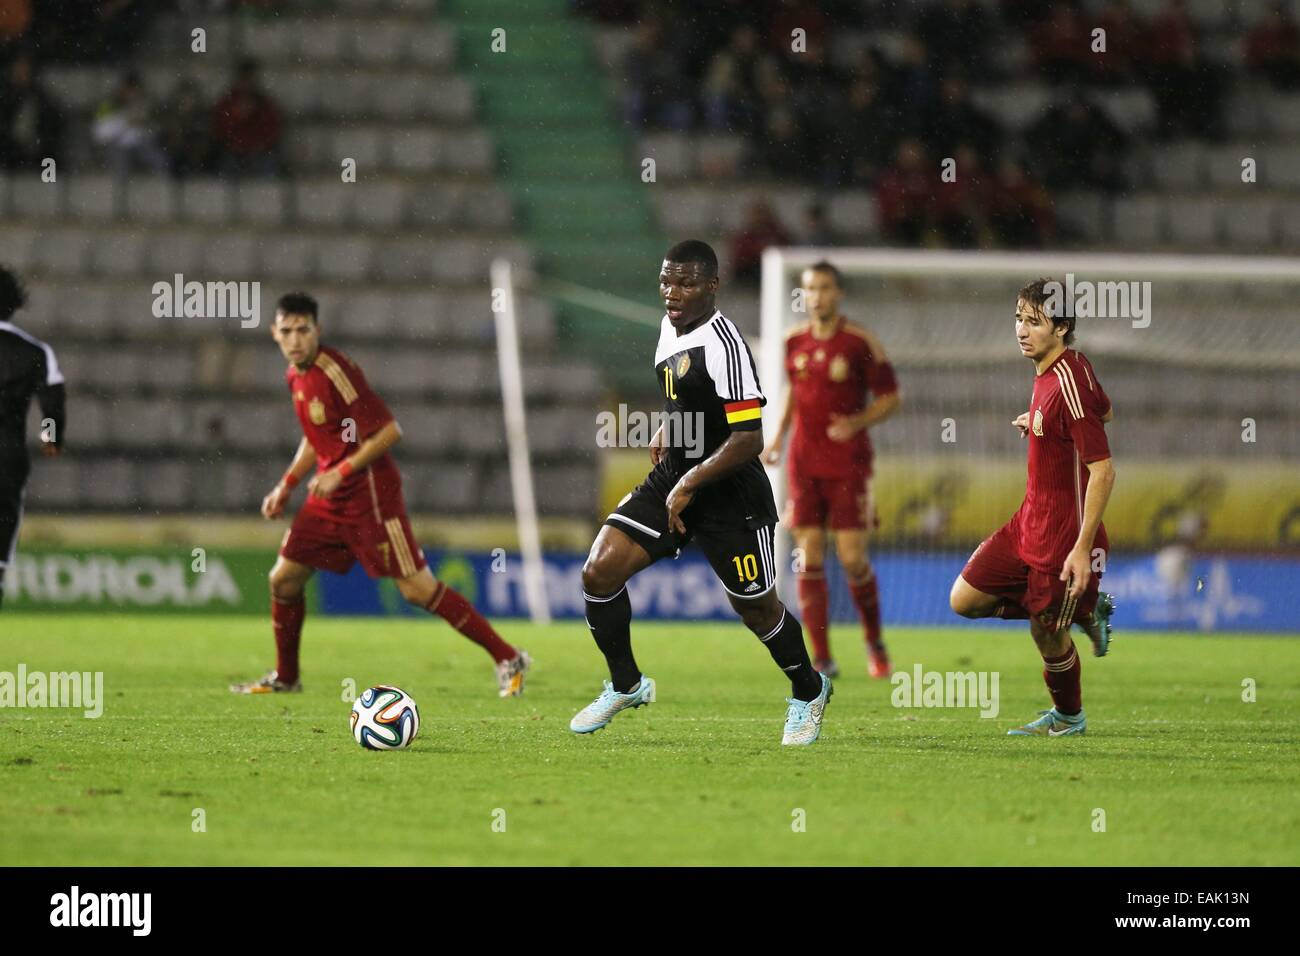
(461, 615)
(812, 608)
(1062, 677)
(867, 597)
(286, 622)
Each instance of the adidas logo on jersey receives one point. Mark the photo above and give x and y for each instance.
(753, 586)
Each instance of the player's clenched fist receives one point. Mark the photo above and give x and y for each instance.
(1022, 423)
(772, 454)
(273, 504)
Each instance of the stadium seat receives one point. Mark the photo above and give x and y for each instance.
(63, 252)
(382, 43)
(431, 46)
(151, 199)
(1193, 221)
(322, 41)
(174, 251)
(364, 145)
(231, 256)
(1179, 166)
(271, 41)
(289, 259)
(379, 205)
(17, 246)
(323, 202)
(30, 198)
(122, 252)
(415, 150)
(92, 196)
(1139, 220)
(344, 259)
(207, 200)
(260, 202)
(406, 260)
(1249, 222)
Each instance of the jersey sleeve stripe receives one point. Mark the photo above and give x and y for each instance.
(746, 372)
(733, 373)
(1068, 389)
(338, 377)
(741, 406)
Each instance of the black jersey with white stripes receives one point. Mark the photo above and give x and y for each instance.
(710, 386)
(27, 368)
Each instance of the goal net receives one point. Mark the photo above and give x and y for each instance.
(1201, 359)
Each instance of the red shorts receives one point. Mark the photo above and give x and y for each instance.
(996, 568)
(841, 504)
(384, 544)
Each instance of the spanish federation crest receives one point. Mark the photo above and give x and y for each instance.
(839, 368)
(1038, 422)
(316, 411)
(683, 366)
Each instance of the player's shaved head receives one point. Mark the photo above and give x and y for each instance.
(12, 294)
(695, 251)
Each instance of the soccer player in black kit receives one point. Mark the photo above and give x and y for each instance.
(721, 499)
(27, 368)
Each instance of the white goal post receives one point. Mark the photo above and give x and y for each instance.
(781, 267)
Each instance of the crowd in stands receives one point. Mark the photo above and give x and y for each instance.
(182, 134)
(886, 123)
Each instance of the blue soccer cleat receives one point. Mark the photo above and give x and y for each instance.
(1052, 723)
(605, 707)
(1099, 632)
(803, 721)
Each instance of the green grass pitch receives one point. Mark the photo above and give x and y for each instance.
(1185, 771)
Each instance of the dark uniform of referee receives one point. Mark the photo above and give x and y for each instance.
(27, 368)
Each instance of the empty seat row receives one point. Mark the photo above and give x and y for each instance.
(356, 94)
(1201, 221)
(230, 483)
(1191, 165)
(85, 309)
(290, 257)
(684, 209)
(369, 202)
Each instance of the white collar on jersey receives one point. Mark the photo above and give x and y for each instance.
(670, 343)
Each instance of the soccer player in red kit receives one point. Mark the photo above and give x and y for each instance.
(354, 509)
(832, 366)
(1045, 564)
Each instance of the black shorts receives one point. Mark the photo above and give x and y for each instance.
(742, 557)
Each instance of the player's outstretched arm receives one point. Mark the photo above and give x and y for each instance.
(375, 445)
(739, 448)
(1078, 564)
(304, 460)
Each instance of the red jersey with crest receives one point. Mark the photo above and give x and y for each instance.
(1065, 434)
(832, 376)
(338, 411)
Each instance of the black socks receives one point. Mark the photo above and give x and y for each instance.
(787, 648)
(610, 620)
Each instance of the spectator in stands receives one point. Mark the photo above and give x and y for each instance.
(1273, 49)
(1085, 149)
(657, 96)
(732, 100)
(187, 130)
(1060, 44)
(957, 32)
(865, 136)
(957, 120)
(761, 229)
(247, 127)
(15, 21)
(1022, 213)
(963, 207)
(1187, 89)
(784, 152)
(123, 127)
(905, 196)
(31, 126)
(916, 83)
(817, 229)
(1125, 34)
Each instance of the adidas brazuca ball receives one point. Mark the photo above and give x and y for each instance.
(385, 718)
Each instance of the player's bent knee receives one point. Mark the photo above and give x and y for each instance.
(599, 577)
